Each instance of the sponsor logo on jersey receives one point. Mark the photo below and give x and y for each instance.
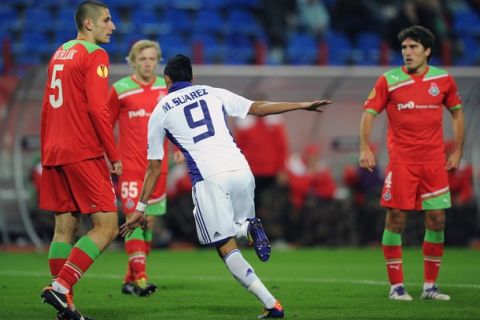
(216, 234)
(387, 196)
(411, 105)
(372, 94)
(102, 71)
(433, 90)
(408, 105)
(140, 113)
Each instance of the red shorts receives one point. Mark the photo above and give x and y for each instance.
(416, 187)
(84, 187)
(130, 185)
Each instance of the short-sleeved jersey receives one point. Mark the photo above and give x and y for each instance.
(131, 104)
(414, 106)
(75, 118)
(194, 119)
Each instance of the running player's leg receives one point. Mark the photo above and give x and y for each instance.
(223, 206)
(244, 273)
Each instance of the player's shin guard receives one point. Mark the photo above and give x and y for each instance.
(432, 254)
(135, 247)
(245, 275)
(80, 259)
(57, 256)
(392, 251)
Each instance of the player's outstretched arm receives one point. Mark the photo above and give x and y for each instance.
(137, 218)
(263, 108)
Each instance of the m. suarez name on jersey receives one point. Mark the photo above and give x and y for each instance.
(184, 98)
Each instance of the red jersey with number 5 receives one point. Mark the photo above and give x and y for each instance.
(75, 119)
(414, 106)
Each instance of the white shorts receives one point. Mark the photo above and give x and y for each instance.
(221, 201)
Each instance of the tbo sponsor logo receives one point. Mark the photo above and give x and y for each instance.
(140, 113)
(404, 106)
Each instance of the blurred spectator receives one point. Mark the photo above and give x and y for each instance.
(365, 188)
(264, 143)
(432, 14)
(312, 189)
(277, 17)
(353, 17)
(313, 16)
(179, 194)
(463, 213)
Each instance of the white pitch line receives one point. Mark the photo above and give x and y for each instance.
(212, 278)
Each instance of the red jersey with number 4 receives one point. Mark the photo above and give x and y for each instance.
(75, 118)
(414, 106)
(131, 104)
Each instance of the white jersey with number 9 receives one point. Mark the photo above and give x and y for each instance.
(194, 119)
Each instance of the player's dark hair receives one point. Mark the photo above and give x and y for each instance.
(419, 34)
(87, 9)
(179, 68)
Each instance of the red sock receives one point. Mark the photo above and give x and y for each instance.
(57, 256)
(129, 275)
(81, 257)
(432, 258)
(148, 247)
(393, 259)
(136, 257)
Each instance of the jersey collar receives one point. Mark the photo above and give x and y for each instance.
(179, 85)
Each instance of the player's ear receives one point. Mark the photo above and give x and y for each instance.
(88, 24)
(168, 81)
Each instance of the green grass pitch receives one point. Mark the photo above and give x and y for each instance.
(310, 283)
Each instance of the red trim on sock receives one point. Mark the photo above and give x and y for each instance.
(137, 263)
(80, 260)
(394, 269)
(432, 251)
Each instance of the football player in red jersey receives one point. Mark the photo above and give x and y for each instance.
(416, 176)
(76, 134)
(131, 101)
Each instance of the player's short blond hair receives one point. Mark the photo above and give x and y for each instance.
(141, 45)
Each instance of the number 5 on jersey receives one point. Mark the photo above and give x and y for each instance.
(56, 102)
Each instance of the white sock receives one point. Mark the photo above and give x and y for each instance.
(240, 268)
(262, 293)
(428, 285)
(59, 288)
(242, 231)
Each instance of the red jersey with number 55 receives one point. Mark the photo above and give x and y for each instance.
(414, 106)
(131, 104)
(75, 119)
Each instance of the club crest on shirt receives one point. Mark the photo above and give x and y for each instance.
(102, 71)
(387, 195)
(129, 204)
(434, 91)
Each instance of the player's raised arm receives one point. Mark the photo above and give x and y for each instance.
(263, 108)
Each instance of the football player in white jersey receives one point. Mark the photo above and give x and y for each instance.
(193, 117)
